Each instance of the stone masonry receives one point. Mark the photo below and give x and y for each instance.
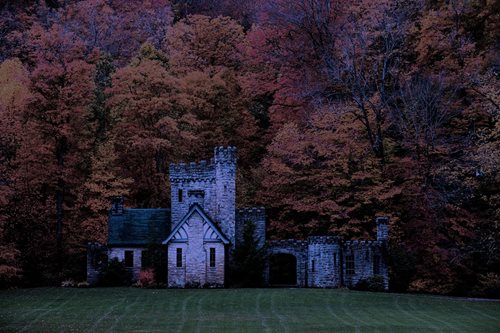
(203, 227)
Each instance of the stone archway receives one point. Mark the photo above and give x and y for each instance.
(287, 253)
(282, 270)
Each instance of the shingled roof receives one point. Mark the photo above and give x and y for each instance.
(138, 227)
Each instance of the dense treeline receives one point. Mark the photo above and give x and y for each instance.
(340, 110)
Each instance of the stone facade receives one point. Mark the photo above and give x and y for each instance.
(196, 251)
(203, 227)
(330, 262)
(136, 263)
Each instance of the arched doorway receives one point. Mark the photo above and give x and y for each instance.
(282, 270)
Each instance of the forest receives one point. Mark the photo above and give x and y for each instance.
(341, 111)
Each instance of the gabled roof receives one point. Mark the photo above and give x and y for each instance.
(210, 230)
(138, 227)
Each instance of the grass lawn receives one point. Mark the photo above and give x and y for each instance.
(239, 310)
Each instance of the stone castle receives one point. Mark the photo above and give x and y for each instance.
(203, 227)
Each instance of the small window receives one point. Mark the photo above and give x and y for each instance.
(179, 257)
(212, 257)
(129, 258)
(376, 265)
(349, 265)
(313, 268)
(179, 195)
(145, 259)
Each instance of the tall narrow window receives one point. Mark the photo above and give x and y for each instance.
(335, 259)
(179, 195)
(376, 265)
(129, 258)
(212, 257)
(179, 257)
(313, 268)
(349, 265)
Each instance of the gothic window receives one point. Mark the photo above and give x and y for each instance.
(313, 268)
(179, 257)
(376, 265)
(179, 195)
(129, 258)
(212, 257)
(349, 265)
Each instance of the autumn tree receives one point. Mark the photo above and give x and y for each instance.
(152, 124)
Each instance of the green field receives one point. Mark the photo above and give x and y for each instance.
(239, 310)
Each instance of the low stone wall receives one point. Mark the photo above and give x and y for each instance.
(324, 253)
(298, 249)
(96, 258)
(364, 253)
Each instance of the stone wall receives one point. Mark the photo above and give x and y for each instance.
(195, 268)
(298, 249)
(176, 275)
(192, 177)
(215, 275)
(225, 183)
(210, 184)
(257, 215)
(119, 253)
(364, 253)
(96, 258)
(324, 253)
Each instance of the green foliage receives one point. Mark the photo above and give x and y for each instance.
(249, 259)
(374, 283)
(115, 274)
(402, 265)
(488, 286)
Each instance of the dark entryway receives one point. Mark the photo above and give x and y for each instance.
(282, 270)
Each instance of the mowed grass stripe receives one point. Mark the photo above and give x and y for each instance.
(239, 310)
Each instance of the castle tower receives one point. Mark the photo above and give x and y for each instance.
(189, 184)
(382, 228)
(225, 188)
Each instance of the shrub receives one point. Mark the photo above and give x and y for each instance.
(115, 274)
(193, 285)
(213, 286)
(249, 260)
(374, 283)
(83, 284)
(146, 278)
(488, 286)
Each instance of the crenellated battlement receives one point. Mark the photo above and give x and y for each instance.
(251, 211)
(288, 243)
(363, 243)
(225, 155)
(194, 171)
(324, 239)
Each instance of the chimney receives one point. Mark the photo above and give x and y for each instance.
(382, 228)
(117, 205)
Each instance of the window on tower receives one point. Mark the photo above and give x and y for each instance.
(349, 265)
(179, 195)
(179, 257)
(376, 265)
(212, 257)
